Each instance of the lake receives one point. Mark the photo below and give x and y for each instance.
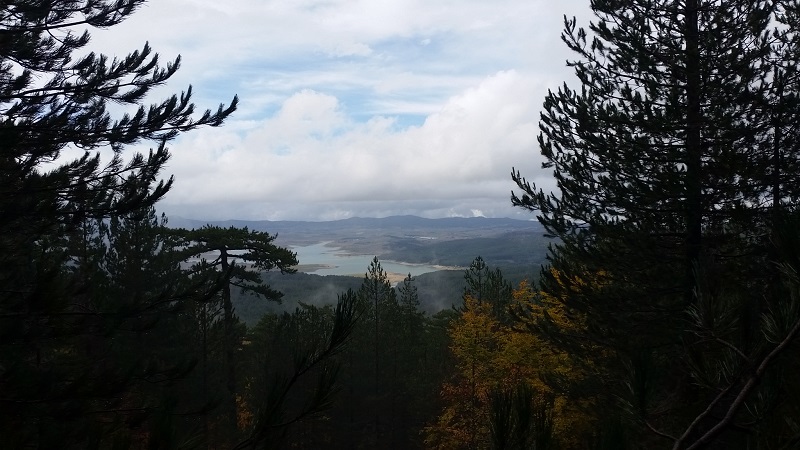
(320, 259)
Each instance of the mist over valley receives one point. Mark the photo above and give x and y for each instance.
(334, 256)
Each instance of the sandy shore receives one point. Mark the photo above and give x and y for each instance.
(312, 267)
(394, 277)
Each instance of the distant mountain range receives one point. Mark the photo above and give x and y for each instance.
(453, 241)
(519, 247)
(399, 223)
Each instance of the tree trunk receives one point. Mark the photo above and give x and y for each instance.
(694, 150)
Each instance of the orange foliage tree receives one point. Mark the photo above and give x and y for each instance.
(493, 356)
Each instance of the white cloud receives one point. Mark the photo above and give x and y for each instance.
(355, 107)
(312, 153)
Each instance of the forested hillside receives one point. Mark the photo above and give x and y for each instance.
(520, 248)
(437, 291)
(453, 241)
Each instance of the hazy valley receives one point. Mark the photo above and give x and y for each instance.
(517, 247)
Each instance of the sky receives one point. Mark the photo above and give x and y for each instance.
(355, 108)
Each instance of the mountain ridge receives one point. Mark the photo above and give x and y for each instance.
(402, 221)
(450, 241)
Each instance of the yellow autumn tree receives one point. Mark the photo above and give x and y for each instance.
(547, 364)
(475, 340)
(494, 356)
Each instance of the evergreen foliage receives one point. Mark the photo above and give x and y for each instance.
(239, 258)
(391, 370)
(295, 373)
(520, 420)
(674, 162)
(62, 383)
(486, 285)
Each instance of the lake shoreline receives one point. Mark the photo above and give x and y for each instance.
(323, 258)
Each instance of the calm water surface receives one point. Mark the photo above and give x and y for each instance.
(344, 264)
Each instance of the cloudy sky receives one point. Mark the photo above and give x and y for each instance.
(349, 108)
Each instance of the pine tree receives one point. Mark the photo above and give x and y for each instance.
(486, 285)
(411, 386)
(378, 298)
(409, 297)
(296, 374)
(239, 257)
(52, 384)
(143, 283)
(673, 162)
